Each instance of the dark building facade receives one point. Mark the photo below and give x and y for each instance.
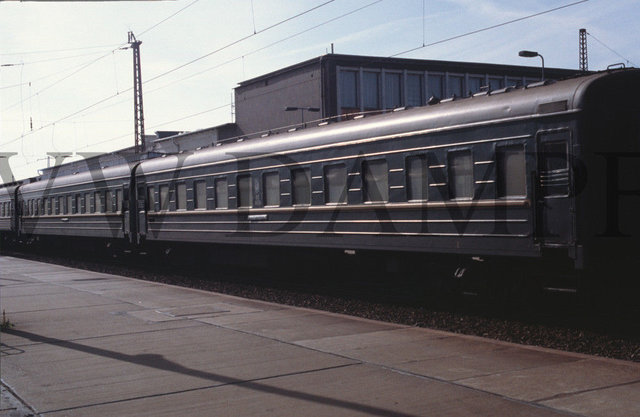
(342, 85)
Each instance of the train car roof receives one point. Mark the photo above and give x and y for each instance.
(90, 177)
(500, 105)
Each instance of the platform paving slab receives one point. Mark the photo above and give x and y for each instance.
(87, 343)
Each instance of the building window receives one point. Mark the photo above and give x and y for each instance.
(335, 183)
(392, 90)
(456, 86)
(271, 187)
(222, 193)
(475, 84)
(376, 180)
(511, 168)
(417, 184)
(371, 90)
(301, 186)
(349, 90)
(244, 191)
(496, 83)
(461, 175)
(181, 196)
(414, 90)
(164, 197)
(436, 85)
(200, 194)
(514, 82)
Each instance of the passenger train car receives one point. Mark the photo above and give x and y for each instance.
(546, 171)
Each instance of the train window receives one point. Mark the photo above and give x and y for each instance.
(417, 184)
(164, 197)
(97, 202)
(58, 208)
(31, 212)
(47, 205)
(181, 196)
(222, 193)
(271, 187)
(511, 175)
(461, 175)
(108, 201)
(87, 203)
(244, 190)
(76, 208)
(40, 207)
(200, 194)
(375, 181)
(151, 199)
(335, 183)
(554, 169)
(69, 205)
(119, 200)
(301, 186)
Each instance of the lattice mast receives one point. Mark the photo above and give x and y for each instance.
(138, 109)
(584, 63)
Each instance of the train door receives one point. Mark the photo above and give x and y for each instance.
(141, 210)
(556, 221)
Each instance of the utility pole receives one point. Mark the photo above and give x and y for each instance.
(584, 63)
(138, 111)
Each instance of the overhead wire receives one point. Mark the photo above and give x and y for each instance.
(160, 75)
(244, 38)
(245, 54)
(610, 49)
(473, 32)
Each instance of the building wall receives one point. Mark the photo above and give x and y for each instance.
(260, 104)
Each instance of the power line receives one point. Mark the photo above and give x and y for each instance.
(167, 18)
(82, 67)
(57, 59)
(57, 50)
(222, 48)
(490, 27)
(158, 76)
(244, 55)
(603, 44)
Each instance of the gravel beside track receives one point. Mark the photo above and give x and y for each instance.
(554, 321)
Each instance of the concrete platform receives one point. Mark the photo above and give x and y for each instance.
(94, 344)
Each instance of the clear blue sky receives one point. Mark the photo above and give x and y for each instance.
(65, 59)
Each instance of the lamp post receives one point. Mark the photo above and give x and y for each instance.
(302, 110)
(532, 54)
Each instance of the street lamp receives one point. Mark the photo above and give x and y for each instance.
(532, 54)
(302, 109)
